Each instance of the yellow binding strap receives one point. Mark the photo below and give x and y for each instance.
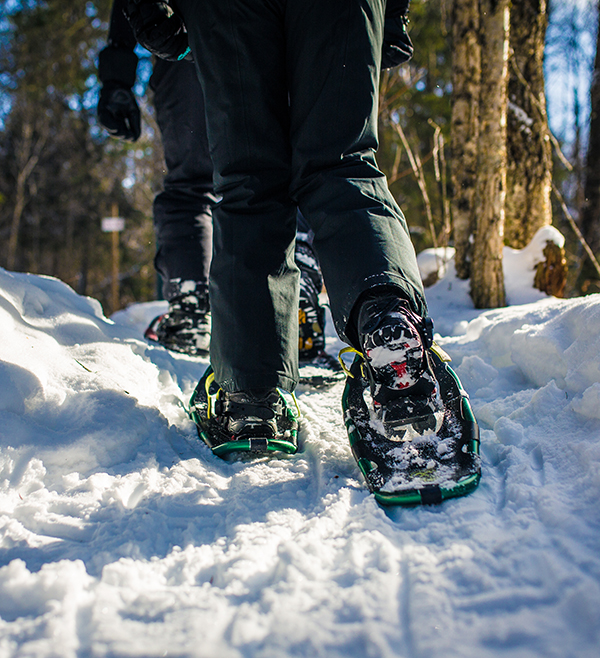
(284, 394)
(347, 350)
(444, 356)
(209, 380)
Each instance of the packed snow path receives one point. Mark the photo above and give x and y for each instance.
(122, 535)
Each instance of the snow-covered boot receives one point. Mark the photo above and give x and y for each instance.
(394, 342)
(186, 325)
(257, 421)
(410, 424)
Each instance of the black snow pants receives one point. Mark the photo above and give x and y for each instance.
(291, 89)
(183, 211)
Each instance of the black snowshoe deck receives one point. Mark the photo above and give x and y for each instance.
(321, 371)
(421, 467)
(222, 443)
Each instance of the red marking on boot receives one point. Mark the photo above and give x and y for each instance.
(400, 370)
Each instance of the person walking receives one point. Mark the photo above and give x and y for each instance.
(291, 90)
(182, 211)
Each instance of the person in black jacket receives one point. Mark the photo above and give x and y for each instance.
(183, 210)
(291, 90)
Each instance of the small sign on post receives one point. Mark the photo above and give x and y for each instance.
(114, 225)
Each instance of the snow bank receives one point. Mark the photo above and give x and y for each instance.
(122, 535)
(434, 262)
(518, 265)
(553, 340)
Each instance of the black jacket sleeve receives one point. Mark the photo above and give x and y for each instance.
(396, 7)
(397, 47)
(117, 63)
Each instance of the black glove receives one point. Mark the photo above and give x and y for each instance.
(119, 112)
(158, 29)
(397, 46)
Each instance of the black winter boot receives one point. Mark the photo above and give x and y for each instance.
(395, 342)
(186, 325)
(257, 421)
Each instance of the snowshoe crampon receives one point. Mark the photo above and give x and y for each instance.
(422, 464)
(258, 439)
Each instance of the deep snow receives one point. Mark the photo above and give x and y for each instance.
(122, 535)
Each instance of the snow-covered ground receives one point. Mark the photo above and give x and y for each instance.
(122, 535)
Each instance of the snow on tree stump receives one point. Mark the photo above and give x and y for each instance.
(551, 274)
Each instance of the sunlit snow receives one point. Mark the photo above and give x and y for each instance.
(123, 536)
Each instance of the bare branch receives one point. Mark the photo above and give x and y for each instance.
(417, 168)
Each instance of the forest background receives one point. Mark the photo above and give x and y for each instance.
(60, 173)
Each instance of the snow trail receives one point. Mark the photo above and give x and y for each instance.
(122, 535)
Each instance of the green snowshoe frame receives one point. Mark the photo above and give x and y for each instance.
(220, 442)
(369, 445)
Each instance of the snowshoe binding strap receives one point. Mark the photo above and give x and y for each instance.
(240, 422)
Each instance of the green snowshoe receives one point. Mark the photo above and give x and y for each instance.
(241, 422)
(430, 459)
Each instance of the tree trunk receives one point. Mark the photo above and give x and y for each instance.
(529, 167)
(466, 81)
(551, 274)
(487, 279)
(590, 212)
(28, 157)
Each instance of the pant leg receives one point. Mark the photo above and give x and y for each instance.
(239, 49)
(361, 236)
(273, 71)
(183, 211)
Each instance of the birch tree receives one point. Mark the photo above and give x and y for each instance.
(529, 162)
(466, 82)
(487, 279)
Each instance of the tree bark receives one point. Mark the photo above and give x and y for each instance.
(28, 156)
(551, 274)
(529, 167)
(466, 81)
(590, 212)
(487, 279)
